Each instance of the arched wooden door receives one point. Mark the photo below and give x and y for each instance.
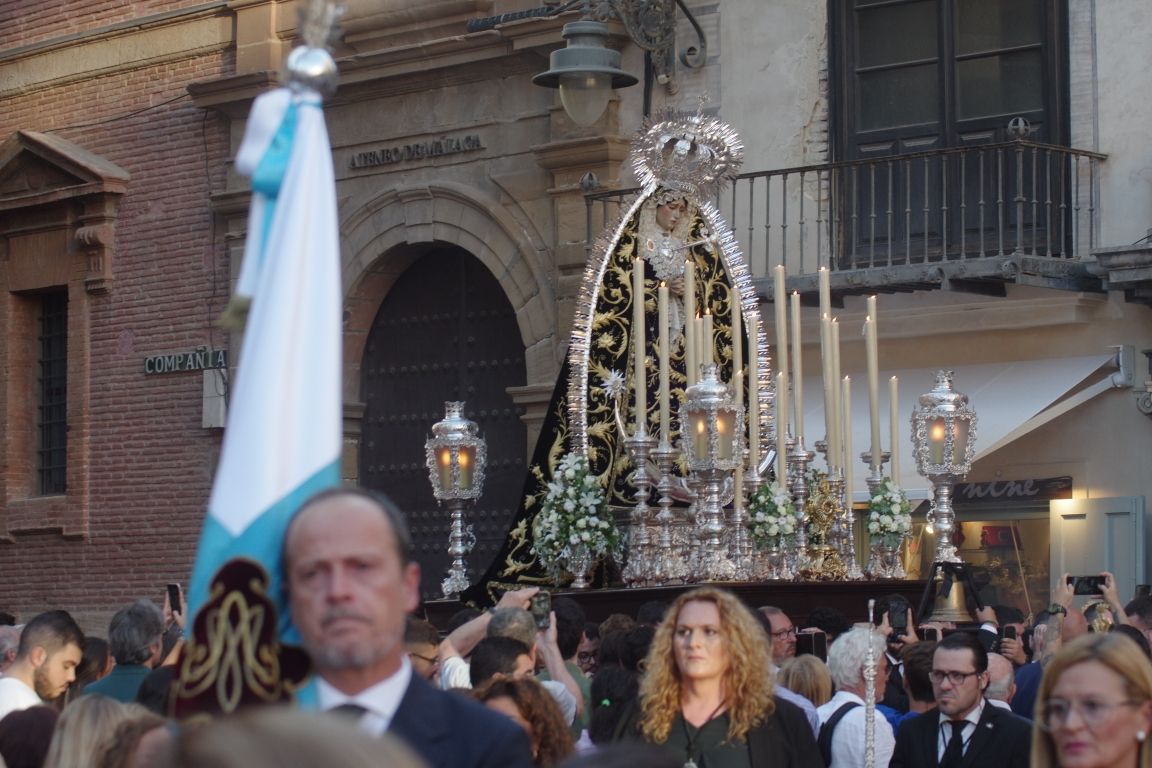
(445, 331)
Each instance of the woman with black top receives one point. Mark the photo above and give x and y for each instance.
(707, 691)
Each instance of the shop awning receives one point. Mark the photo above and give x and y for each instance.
(1010, 400)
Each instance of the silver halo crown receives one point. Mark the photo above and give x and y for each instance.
(693, 154)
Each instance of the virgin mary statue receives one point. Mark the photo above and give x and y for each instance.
(684, 243)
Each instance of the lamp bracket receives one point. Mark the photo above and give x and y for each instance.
(651, 24)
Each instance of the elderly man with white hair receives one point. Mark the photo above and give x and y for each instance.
(843, 718)
(1001, 681)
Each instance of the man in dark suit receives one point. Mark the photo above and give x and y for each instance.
(351, 583)
(963, 730)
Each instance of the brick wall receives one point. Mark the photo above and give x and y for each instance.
(151, 462)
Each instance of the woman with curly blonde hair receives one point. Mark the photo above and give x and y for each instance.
(707, 691)
(529, 705)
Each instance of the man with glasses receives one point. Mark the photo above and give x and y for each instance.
(783, 633)
(422, 641)
(963, 728)
(782, 637)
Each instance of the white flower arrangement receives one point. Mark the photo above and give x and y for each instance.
(889, 513)
(574, 513)
(771, 515)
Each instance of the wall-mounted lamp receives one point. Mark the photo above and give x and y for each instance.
(586, 71)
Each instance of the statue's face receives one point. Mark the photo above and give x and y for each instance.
(668, 215)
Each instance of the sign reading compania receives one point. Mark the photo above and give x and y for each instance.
(448, 145)
(198, 360)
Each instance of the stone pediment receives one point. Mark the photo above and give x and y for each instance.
(39, 169)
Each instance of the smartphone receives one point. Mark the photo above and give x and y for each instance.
(813, 643)
(1086, 585)
(174, 598)
(1008, 633)
(542, 609)
(929, 634)
(898, 614)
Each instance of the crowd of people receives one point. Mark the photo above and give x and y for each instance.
(702, 681)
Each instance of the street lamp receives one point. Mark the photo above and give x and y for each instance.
(713, 442)
(587, 70)
(943, 443)
(456, 458)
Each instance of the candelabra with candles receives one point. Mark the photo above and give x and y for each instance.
(456, 458)
(714, 444)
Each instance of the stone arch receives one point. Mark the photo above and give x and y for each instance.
(377, 241)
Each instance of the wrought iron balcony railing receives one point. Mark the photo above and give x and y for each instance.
(976, 217)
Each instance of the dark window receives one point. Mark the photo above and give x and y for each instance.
(944, 78)
(928, 74)
(52, 393)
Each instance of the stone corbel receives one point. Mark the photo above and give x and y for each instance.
(96, 239)
(1144, 396)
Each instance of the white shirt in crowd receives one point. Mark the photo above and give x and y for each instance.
(454, 673)
(14, 695)
(848, 738)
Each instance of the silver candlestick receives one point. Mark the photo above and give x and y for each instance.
(671, 567)
(798, 460)
(640, 557)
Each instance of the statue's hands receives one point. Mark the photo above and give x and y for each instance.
(676, 285)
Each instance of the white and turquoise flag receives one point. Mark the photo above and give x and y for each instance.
(283, 438)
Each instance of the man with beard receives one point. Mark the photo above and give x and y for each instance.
(351, 581)
(50, 648)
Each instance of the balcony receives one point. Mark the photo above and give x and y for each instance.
(971, 219)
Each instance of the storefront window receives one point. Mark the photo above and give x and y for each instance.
(1009, 551)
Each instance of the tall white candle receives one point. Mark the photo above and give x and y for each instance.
(825, 291)
(781, 429)
(797, 367)
(707, 342)
(894, 428)
(690, 354)
(870, 352)
(781, 308)
(846, 422)
(665, 365)
(738, 383)
(738, 350)
(829, 382)
(754, 395)
(640, 384)
(837, 400)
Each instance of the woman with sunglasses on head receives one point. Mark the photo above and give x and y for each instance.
(1094, 708)
(707, 694)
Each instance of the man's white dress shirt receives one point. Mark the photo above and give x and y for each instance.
(380, 702)
(944, 732)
